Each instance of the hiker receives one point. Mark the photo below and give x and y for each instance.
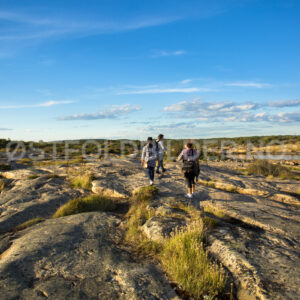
(148, 159)
(160, 149)
(190, 167)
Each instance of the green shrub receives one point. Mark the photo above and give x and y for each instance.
(266, 168)
(28, 224)
(186, 262)
(89, 203)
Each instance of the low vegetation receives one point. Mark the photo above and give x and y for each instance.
(220, 214)
(28, 224)
(138, 214)
(86, 204)
(33, 176)
(265, 168)
(25, 161)
(227, 188)
(83, 181)
(183, 257)
(2, 185)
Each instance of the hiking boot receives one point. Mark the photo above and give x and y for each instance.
(157, 172)
(164, 170)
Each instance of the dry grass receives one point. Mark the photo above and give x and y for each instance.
(82, 181)
(138, 214)
(25, 161)
(184, 259)
(182, 255)
(144, 194)
(28, 224)
(265, 168)
(224, 187)
(89, 203)
(216, 212)
(33, 176)
(2, 185)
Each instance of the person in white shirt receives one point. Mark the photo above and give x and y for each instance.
(148, 159)
(161, 149)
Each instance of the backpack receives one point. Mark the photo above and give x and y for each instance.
(191, 166)
(156, 146)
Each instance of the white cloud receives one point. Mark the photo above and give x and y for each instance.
(164, 91)
(31, 27)
(186, 81)
(164, 53)
(229, 112)
(248, 84)
(43, 104)
(113, 112)
(285, 103)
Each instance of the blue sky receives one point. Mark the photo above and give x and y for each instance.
(130, 69)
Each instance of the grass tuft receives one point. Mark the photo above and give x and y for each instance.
(83, 181)
(33, 176)
(185, 260)
(89, 203)
(265, 168)
(138, 214)
(25, 161)
(145, 193)
(2, 185)
(28, 224)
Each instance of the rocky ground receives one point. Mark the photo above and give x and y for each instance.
(82, 256)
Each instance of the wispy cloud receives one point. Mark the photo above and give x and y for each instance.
(31, 27)
(43, 104)
(164, 53)
(186, 81)
(113, 112)
(164, 91)
(285, 103)
(250, 84)
(232, 112)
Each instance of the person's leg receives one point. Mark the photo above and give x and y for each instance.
(148, 173)
(193, 184)
(158, 165)
(162, 165)
(189, 185)
(152, 173)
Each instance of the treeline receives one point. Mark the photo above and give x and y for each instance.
(126, 147)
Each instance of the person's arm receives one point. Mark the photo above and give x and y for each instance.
(180, 156)
(162, 146)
